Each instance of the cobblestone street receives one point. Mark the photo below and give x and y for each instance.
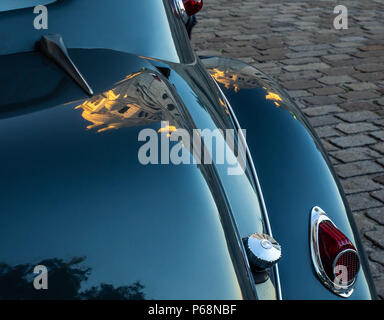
(336, 76)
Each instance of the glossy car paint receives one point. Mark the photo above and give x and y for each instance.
(75, 193)
(75, 197)
(294, 172)
(139, 27)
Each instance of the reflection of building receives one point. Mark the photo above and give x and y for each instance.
(239, 75)
(230, 79)
(233, 74)
(139, 99)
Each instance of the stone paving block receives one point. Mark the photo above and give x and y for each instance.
(323, 110)
(309, 75)
(326, 91)
(355, 154)
(379, 122)
(353, 39)
(265, 65)
(248, 60)
(379, 179)
(299, 93)
(371, 76)
(268, 44)
(359, 95)
(368, 245)
(311, 47)
(241, 37)
(358, 116)
(379, 195)
(380, 101)
(273, 71)
(332, 80)
(376, 214)
(362, 201)
(328, 146)
(367, 54)
(379, 284)
(327, 132)
(359, 184)
(359, 106)
(300, 61)
(342, 51)
(357, 127)
(361, 86)
(380, 161)
(336, 57)
(301, 84)
(352, 62)
(378, 147)
(353, 141)
(305, 54)
(377, 270)
(377, 237)
(323, 120)
(323, 100)
(378, 135)
(364, 223)
(308, 66)
(374, 67)
(339, 71)
(377, 256)
(346, 44)
(358, 168)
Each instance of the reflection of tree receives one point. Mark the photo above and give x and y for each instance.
(109, 292)
(65, 279)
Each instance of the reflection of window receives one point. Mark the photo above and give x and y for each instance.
(7, 5)
(140, 98)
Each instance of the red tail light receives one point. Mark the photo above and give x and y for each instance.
(192, 6)
(338, 255)
(334, 256)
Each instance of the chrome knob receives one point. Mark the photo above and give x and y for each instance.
(262, 250)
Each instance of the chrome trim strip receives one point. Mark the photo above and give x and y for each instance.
(317, 216)
(180, 9)
(239, 241)
(258, 187)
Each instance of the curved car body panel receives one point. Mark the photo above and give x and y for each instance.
(294, 172)
(77, 199)
(140, 28)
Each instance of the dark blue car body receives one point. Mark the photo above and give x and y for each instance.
(75, 198)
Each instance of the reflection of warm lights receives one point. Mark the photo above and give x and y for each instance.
(126, 105)
(100, 112)
(226, 80)
(167, 129)
(217, 74)
(130, 76)
(273, 96)
(224, 106)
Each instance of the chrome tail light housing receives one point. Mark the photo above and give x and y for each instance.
(187, 8)
(334, 256)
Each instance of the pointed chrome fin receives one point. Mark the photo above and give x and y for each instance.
(54, 48)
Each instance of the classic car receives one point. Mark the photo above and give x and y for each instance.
(83, 216)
